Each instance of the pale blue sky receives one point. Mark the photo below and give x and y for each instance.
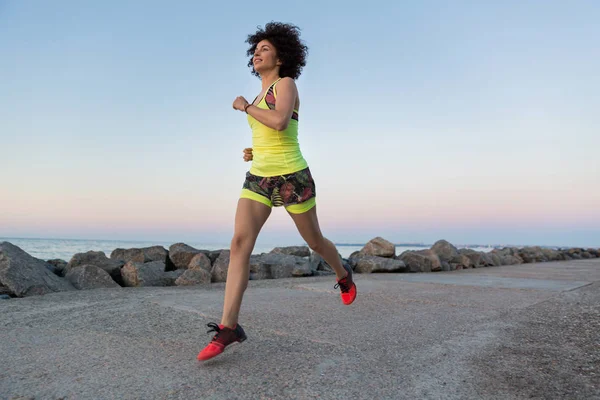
(473, 121)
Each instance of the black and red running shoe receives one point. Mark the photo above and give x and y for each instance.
(347, 286)
(224, 337)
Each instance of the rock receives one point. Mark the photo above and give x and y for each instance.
(318, 263)
(298, 251)
(279, 266)
(551, 254)
(58, 266)
(475, 257)
(144, 274)
(220, 267)
(171, 277)
(586, 254)
(532, 254)
(200, 262)
(284, 266)
(192, 277)
(5, 290)
(90, 277)
(379, 247)
(416, 262)
(142, 255)
(511, 260)
(373, 264)
(446, 266)
(126, 255)
(181, 254)
(98, 259)
(462, 261)
(23, 275)
(487, 259)
(436, 263)
(258, 269)
(496, 260)
(594, 252)
(444, 250)
(156, 253)
(4, 297)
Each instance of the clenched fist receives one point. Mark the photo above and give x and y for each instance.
(240, 103)
(248, 154)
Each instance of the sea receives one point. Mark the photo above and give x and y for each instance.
(64, 249)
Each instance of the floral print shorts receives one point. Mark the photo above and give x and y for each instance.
(295, 191)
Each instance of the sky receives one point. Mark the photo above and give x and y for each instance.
(474, 122)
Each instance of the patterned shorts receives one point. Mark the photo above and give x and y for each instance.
(295, 191)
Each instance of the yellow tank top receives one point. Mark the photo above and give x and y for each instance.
(275, 152)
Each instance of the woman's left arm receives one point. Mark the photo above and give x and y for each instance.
(280, 117)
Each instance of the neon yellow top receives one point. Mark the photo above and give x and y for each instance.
(275, 152)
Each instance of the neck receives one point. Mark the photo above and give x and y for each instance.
(268, 78)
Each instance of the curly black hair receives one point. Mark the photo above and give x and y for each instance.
(291, 51)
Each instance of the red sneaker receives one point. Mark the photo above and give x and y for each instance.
(224, 337)
(347, 287)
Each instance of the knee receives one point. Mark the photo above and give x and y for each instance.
(241, 243)
(318, 245)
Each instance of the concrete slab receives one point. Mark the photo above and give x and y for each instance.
(417, 336)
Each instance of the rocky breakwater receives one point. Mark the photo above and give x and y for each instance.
(182, 265)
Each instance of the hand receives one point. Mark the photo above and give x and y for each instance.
(248, 154)
(239, 103)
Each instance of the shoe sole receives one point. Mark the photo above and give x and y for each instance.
(233, 344)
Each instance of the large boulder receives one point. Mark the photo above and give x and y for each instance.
(258, 269)
(476, 257)
(532, 254)
(98, 259)
(90, 277)
(416, 262)
(298, 251)
(379, 247)
(200, 262)
(495, 258)
(444, 250)
(145, 274)
(180, 254)
(372, 264)
(278, 266)
(436, 263)
(461, 261)
(220, 267)
(511, 260)
(318, 263)
(23, 275)
(192, 277)
(142, 255)
(488, 260)
(284, 266)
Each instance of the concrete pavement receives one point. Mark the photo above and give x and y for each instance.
(513, 332)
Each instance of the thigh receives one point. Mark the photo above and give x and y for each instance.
(308, 225)
(250, 217)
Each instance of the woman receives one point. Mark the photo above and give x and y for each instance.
(279, 175)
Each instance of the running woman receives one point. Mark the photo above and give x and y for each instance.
(279, 175)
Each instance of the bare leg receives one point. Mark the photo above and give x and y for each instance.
(249, 219)
(308, 226)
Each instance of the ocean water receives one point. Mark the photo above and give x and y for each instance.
(47, 249)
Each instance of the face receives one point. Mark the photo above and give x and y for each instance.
(265, 57)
